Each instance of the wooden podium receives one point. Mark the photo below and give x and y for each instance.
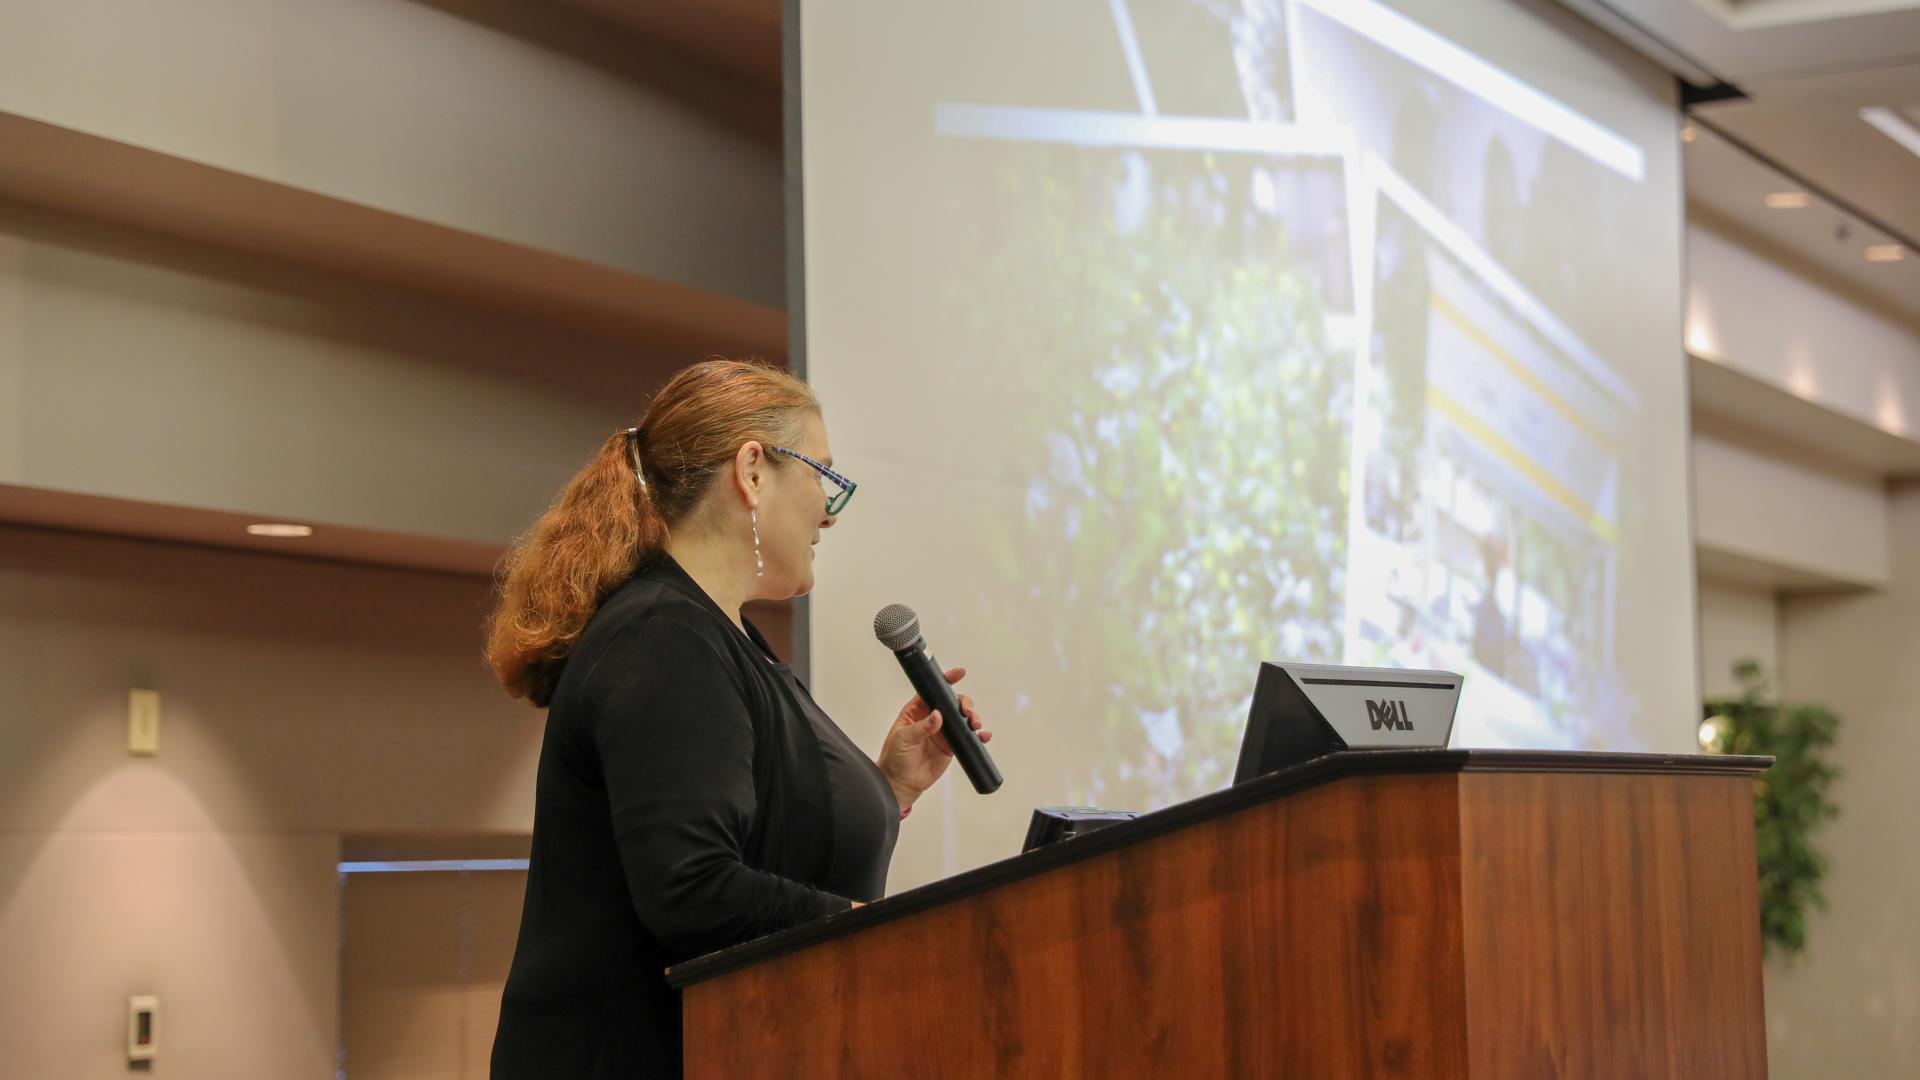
(1418, 913)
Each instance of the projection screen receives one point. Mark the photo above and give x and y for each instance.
(1165, 337)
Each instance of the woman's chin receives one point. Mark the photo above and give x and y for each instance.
(802, 580)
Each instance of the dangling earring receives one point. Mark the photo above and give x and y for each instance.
(759, 565)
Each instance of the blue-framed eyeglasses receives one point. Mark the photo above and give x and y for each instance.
(836, 500)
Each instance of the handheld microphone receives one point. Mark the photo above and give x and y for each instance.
(898, 628)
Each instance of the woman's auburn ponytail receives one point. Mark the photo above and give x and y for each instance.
(555, 577)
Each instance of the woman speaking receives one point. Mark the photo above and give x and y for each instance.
(691, 795)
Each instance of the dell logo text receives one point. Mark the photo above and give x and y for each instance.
(1389, 714)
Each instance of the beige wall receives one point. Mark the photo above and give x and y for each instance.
(1771, 322)
(1737, 623)
(425, 959)
(156, 370)
(1851, 1005)
(1779, 505)
(142, 377)
(301, 700)
(522, 122)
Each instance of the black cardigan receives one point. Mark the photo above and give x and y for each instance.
(681, 806)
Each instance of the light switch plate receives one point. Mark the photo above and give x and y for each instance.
(143, 1013)
(143, 722)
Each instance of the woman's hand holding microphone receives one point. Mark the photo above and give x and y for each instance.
(915, 753)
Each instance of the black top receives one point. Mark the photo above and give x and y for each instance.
(866, 815)
(690, 796)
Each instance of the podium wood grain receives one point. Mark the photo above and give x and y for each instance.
(1612, 925)
(1499, 923)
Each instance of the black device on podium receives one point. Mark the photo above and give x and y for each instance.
(1051, 824)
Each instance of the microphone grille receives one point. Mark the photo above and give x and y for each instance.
(896, 626)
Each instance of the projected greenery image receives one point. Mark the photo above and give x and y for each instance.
(1178, 424)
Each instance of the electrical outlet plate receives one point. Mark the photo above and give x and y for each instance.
(143, 722)
(143, 1013)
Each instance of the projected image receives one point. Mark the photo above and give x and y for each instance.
(1185, 439)
(1168, 337)
(1292, 380)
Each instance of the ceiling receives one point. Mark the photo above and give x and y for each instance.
(1805, 70)
(1727, 189)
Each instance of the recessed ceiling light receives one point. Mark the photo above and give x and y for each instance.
(1885, 253)
(1688, 133)
(1787, 200)
(279, 528)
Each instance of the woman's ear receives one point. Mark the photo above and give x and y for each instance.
(749, 469)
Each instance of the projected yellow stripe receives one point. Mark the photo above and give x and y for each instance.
(1479, 431)
(1532, 381)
